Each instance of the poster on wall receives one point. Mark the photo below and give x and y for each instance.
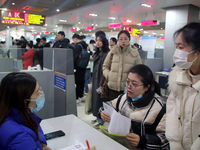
(148, 43)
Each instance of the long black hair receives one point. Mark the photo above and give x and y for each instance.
(190, 34)
(14, 89)
(146, 77)
(105, 47)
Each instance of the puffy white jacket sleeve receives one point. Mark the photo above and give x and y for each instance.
(173, 126)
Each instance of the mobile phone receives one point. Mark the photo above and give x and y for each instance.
(53, 135)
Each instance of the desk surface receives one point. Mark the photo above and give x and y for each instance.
(77, 131)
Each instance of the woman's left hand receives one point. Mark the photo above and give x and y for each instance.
(133, 139)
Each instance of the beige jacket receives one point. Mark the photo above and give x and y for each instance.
(122, 60)
(183, 110)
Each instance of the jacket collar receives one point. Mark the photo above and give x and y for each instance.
(16, 117)
(184, 78)
(145, 100)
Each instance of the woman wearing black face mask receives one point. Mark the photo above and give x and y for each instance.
(20, 98)
(183, 104)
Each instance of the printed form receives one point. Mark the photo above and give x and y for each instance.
(119, 124)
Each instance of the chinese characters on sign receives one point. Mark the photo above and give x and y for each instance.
(11, 17)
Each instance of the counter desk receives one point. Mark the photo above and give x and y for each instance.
(76, 131)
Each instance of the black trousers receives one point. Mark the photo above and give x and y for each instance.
(79, 81)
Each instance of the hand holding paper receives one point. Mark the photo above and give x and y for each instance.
(118, 124)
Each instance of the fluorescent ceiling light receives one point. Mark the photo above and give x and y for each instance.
(13, 3)
(113, 18)
(128, 21)
(63, 20)
(96, 25)
(146, 5)
(153, 33)
(57, 10)
(139, 24)
(79, 22)
(162, 34)
(146, 32)
(94, 15)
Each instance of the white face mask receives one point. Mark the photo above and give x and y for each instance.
(180, 59)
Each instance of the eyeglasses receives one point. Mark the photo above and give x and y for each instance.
(132, 85)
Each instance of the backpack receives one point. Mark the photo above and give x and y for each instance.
(84, 58)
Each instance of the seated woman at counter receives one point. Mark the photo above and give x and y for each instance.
(144, 107)
(20, 98)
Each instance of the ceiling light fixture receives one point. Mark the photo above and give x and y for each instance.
(128, 21)
(146, 5)
(141, 29)
(139, 24)
(94, 15)
(57, 10)
(13, 3)
(153, 33)
(4, 9)
(63, 20)
(113, 18)
(79, 22)
(24, 11)
(146, 32)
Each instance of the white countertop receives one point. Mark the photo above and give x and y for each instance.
(76, 131)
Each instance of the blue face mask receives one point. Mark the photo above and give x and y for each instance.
(39, 102)
(136, 98)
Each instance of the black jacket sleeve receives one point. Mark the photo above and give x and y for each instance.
(77, 52)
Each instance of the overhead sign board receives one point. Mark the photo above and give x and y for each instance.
(150, 22)
(89, 28)
(13, 17)
(115, 25)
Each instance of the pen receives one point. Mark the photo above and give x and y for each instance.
(87, 144)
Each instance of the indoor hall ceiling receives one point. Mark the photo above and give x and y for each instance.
(122, 10)
(45, 7)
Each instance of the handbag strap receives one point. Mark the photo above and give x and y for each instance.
(118, 101)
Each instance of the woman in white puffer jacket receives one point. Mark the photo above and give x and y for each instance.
(183, 104)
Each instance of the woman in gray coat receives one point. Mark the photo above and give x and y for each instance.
(98, 78)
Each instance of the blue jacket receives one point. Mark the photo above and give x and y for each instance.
(14, 135)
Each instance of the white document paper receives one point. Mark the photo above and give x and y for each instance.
(89, 86)
(119, 124)
(78, 146)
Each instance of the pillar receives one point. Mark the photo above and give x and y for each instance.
(176, 17)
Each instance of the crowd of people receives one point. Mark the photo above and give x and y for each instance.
(154, 125)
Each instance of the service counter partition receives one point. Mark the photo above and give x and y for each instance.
(57, 83)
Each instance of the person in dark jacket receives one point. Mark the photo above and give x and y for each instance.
(80, 72)
(62, 41)
(98, 78)
(20, 98)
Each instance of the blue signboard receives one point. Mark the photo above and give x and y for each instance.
(60, 81)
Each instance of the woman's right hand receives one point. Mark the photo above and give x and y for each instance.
(105, 116)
